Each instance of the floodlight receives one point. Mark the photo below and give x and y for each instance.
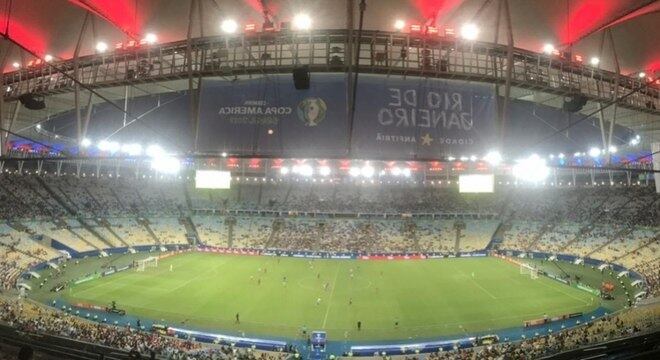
(469, 31)
(407, 172)
(132, 149)
(48, 58)
(531, 169)
(613, 149)
(493, 157)
(155, 151)
(302, 22)
(594, 152)
(399, 24)
(16, 65)
(150, 38)
(166, 164)
(367, 171)
(561, 155)
(229, 26)
(38, 126)
(548, 48)
(642, 75)
(85, 142)
(324, 170)
(101, 46)
(284, 170)
(594, 61)
(354, 171)
(396, 171)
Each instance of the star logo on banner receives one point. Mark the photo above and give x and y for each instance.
(426, 139)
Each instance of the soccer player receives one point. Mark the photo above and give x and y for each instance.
(318, 301)
(238, 318)
(350, 301)
(359, 325)
(171, 268)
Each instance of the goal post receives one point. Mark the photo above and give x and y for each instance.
(528, 269)
(143, 264)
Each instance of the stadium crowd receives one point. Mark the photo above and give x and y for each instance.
(614, 224)
(35, 319)
(604, 329)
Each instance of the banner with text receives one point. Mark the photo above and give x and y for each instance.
(395, 117)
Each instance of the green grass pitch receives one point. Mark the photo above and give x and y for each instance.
(426, 297)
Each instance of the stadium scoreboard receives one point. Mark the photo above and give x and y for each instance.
(212, 179)
(476, 183)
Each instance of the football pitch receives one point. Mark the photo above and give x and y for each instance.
(399, 299)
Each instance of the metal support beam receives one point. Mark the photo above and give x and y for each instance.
(3, 135)
(509, 67)
(616, 93)
(76, 75)
(191, 82)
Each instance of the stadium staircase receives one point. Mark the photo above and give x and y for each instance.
(74, 212)
(654, 239)
(150, 231)
(593, 223)
(121, 203)
(114, 234)
(230, 233)
(274, 236)
(191, 231)
(547, 227)
(457, 241)
(619, 235)
(186, 194)
(81, 238)
(496, 238)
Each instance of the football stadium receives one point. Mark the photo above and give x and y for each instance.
(325, 179)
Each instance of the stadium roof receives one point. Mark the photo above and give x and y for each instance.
(53, 27)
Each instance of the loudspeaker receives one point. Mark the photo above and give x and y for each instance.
(301, 77)
(574, 103)
(32, 102)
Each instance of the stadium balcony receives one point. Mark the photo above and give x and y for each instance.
(324, 51)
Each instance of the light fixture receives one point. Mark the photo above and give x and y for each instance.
(16, 65)
(594, 61)
(594, 152)
(150, 38)
(493, 157)
(642, 75)
(469, 31)
(367, 171)
(302, 22)
(101, 47)
(532, 169)
(85, 143)
(155, 150)
(548, 48)
(284, 170)
(399, 24)
(48, 58)
(229, 26)
(324, 170)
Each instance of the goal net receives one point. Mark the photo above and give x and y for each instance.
(142, 265)
(527, 269)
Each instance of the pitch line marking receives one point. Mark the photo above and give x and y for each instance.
(332, 291)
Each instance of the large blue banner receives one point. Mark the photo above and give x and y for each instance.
(395, 117)
(267, 115)
(407, 117)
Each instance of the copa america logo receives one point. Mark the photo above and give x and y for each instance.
(311, 111)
